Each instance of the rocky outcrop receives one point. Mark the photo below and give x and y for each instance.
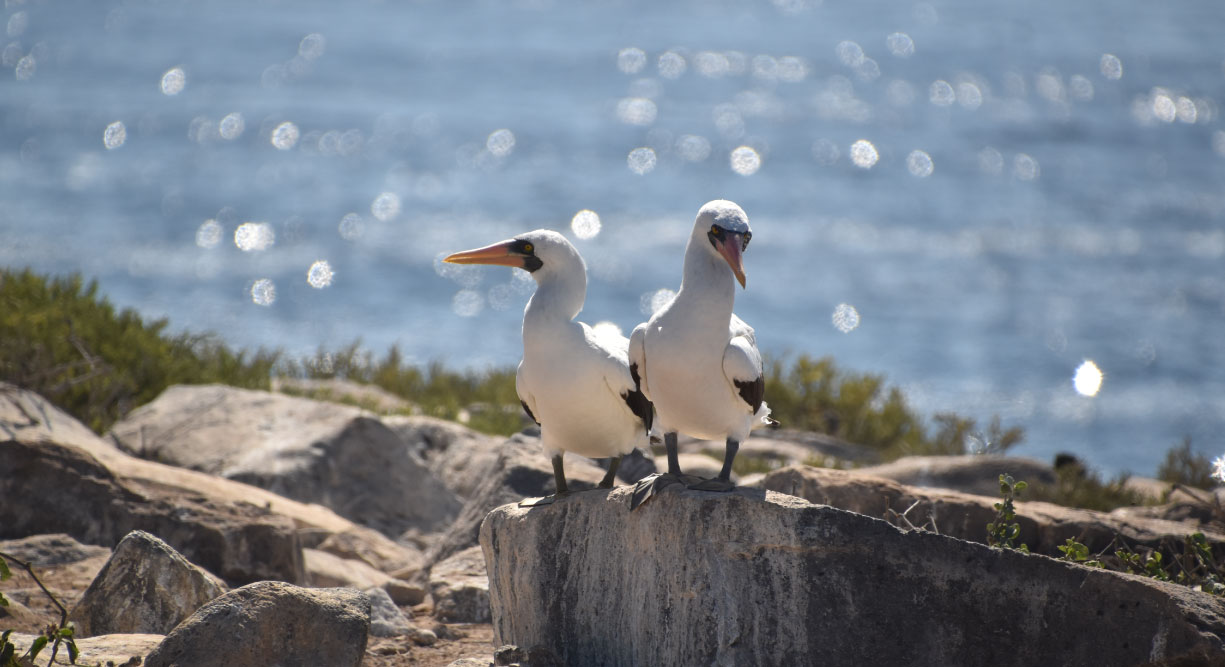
(51, 549)
(145, 588)
(312, 451)
(53, 488)
(757, 577)
(976, 474)
(386, 619)
(521, 472)
(120, 650)
(271, 623)
(458, 456)
(1044, 527)
(460, 587)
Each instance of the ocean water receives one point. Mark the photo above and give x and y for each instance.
(972, 199)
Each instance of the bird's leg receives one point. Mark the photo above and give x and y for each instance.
(648, 486)
(607, 482)
(559, 476)
(723, 482)
(674, 465)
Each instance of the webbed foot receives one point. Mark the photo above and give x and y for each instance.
(648, 486)
(713, 484)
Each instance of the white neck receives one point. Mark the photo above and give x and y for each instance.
(708, 282)
(561, 290)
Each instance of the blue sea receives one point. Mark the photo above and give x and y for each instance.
(1012, 209)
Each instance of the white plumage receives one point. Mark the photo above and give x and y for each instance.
(697, 362)
(574, 382)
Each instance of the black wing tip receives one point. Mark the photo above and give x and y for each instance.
(752, 391)
(529, 411)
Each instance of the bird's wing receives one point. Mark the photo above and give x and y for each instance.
(619, 373)
(525, 397)
(638, 358)
(742, 364)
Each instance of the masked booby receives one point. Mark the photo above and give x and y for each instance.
(576, 384)
(696, 361)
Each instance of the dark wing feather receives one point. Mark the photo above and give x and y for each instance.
(752, 391)
(637, 401)
(529, 411)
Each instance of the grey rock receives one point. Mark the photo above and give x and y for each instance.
(145, 588)
(386, 619)
(634, 466)
(700, 465)
(313, 451)
(457, 455)
(325, 570)
(460, 587)
(121, 650)
(521, 472)
(405, 592)
(471, 662)
(337, 390)
(271, 623)
(536, 656)
(374, 549)
(50, 550)
(49, 487)
(1044, 527)
(756, 577)
(976, 474)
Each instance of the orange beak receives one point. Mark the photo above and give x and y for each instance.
(729, 247)
(498, 254)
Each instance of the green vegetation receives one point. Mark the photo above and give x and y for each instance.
(1185, 467)
(815, 395)
(1077, 486)
(1004, 530)
(55, 634)
(63, 341)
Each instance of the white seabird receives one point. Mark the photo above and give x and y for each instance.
(697, 362)
(576, 384)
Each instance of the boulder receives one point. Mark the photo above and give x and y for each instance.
(52, 488)
(521, 471)
(145, 588)
(374, 549)
(1044, 526)
(978, 473)
(52, 549)
(120, 650)
(460, 587)
(780, 447)
(458, 456)
(337, 390)
(325, 570)
(386, 619)
(271, 623)
(312, 451)
(757, 577)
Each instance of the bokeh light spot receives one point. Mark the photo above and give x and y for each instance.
(641, 160)
(1111, 67)
(636, 111)
(320, 274)
(500, 143)
(607, 331)
(351, 227)
(467, 303)
(25, 69)
(209, 234)
(231, 127)
(174, 81)
(585, 224)
(863, 154)
(653, 302)
(849, 53)
(745, 161)
(920, 164)
(386, 206)
(900, 44)
(1088, 379)
(254, 236)
(263, 292)
(312, 46)
(693, 148)
(285, 136)
(671, 65)
(845, 318)
(114, 135)
(1025, 167)
(941, 93)
(631, 60)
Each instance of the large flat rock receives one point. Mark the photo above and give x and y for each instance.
(757, 577)
(313, 451)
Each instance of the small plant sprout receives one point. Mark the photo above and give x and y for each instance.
(1075, 552)
(55, 634)
(1004, 531)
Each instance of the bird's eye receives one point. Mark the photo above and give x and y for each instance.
(748, 236)
(714, 229)
(527, 247)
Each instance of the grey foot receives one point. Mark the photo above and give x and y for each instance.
(648, 486)
(547, 500)
(713, 484)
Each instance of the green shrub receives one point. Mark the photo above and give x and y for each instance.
(1077, 486)
(1183, 466)
(815, 395)
(60, 339)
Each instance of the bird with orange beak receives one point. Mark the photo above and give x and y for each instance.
(697, 362)
(575, 382)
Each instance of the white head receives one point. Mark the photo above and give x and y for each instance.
(542, 253)
(722, 229)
